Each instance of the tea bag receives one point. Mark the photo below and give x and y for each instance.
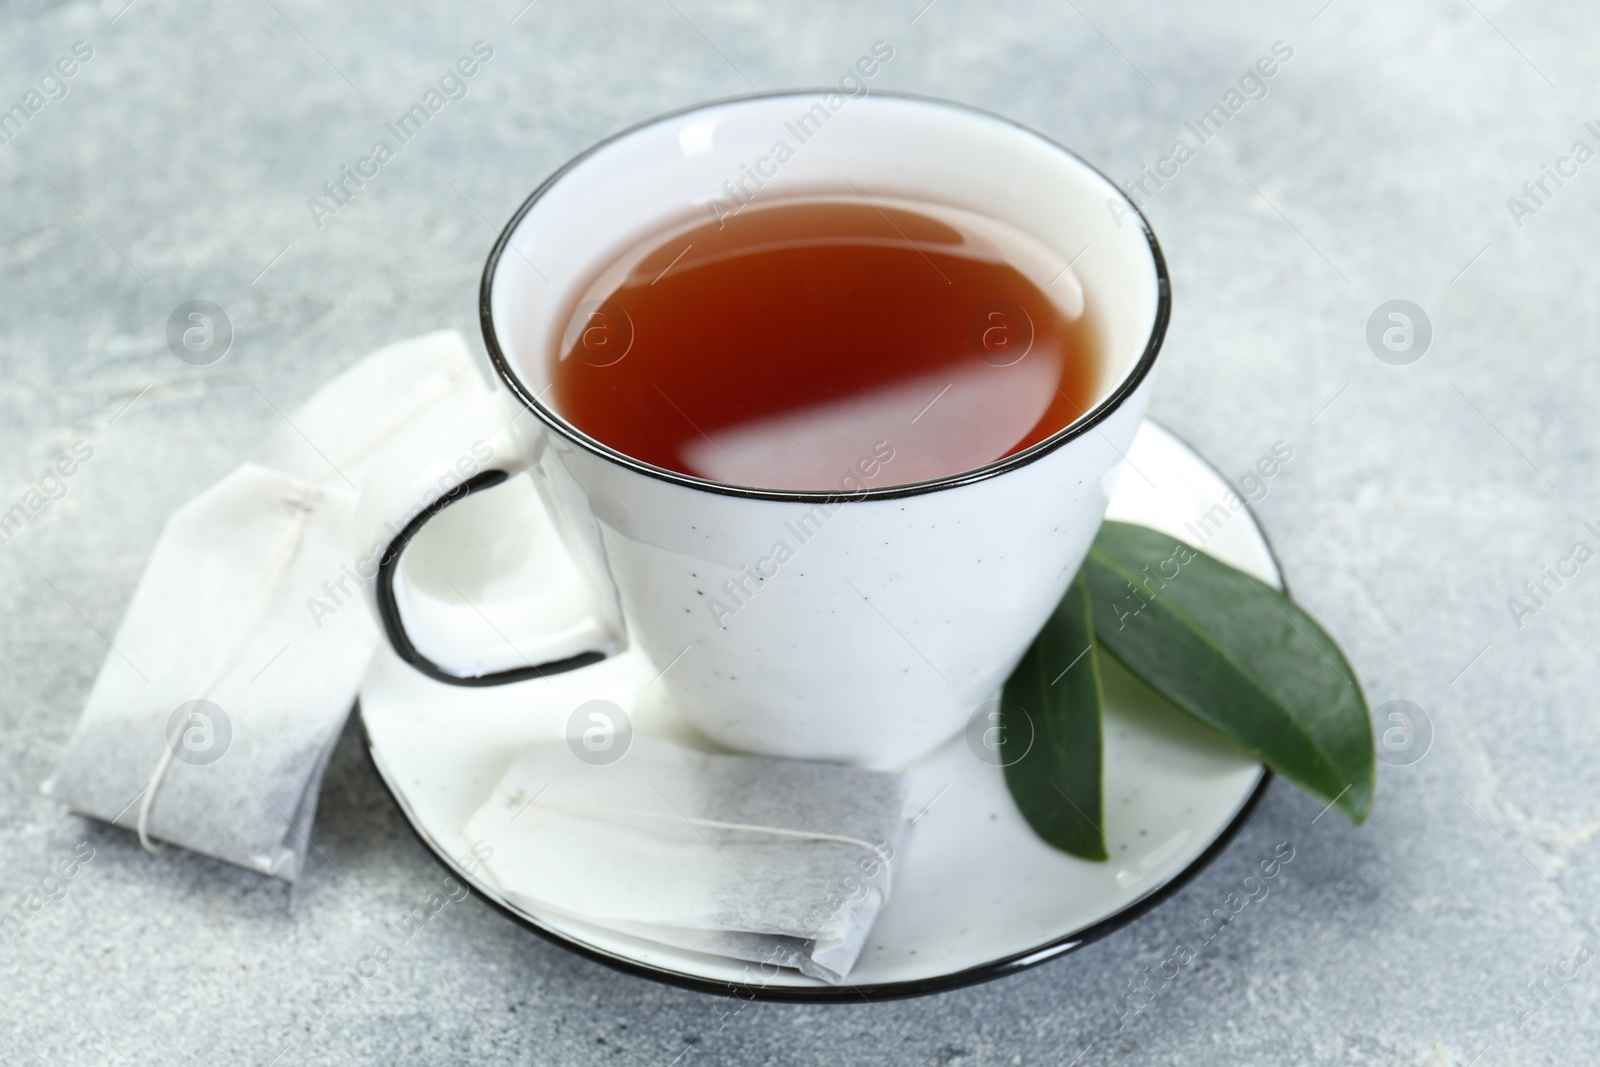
(774, 861)
(214, 714)
(239, 657)
(336, 435)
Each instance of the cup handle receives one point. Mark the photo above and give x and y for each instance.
(465, 450)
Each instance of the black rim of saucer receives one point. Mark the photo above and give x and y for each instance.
(1083, 424)
(919, 987)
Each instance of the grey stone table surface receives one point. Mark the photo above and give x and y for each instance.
(1401, 152)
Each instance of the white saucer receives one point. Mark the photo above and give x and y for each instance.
(977, 895)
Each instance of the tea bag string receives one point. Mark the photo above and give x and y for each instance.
(718, 824)
(259, 598)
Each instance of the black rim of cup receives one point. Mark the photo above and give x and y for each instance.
(1095, 416)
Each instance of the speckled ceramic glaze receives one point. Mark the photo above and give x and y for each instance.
(977, 894)
(865, 624)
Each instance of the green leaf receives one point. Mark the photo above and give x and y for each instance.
(1050, 732)
(1236, 654)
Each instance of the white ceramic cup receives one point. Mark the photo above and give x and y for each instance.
(870, 624)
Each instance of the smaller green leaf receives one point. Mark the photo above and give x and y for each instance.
(1051, 735)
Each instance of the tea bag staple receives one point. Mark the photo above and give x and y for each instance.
(337, 434)
(773, 861)
(236, 664)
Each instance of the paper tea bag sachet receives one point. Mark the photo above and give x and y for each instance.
(218, 706)
(239, 657)
(774, 861)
